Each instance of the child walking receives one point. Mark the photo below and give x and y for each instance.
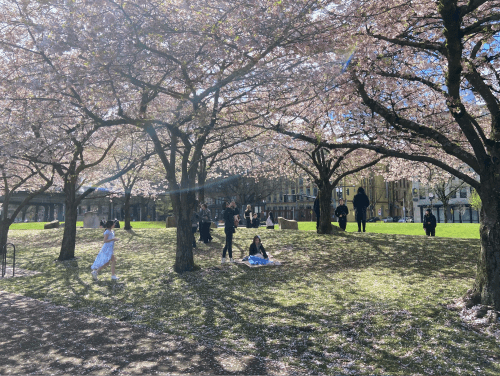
(105, 255)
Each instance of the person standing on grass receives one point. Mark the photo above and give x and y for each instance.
(361, 203)
(229, 223)
(248, 216)
(429, 223)
(341, 212)
(205, 224)
(105, 255)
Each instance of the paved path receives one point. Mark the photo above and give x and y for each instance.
(41, 338)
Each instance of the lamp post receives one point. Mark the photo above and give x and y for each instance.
(431, 197)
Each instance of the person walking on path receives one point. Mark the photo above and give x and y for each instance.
(229, 222)
(361, 203)
(248, 216)
(105, 255)
(341, 212)
(429, 223)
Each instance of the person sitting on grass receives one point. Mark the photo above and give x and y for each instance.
(257, 249)
(255, 221)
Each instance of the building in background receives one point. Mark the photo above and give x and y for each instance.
(459, 209)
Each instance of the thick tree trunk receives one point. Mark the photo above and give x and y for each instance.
(325, 207)
(487, 285)
(183, 205)
(445, 210)
(126, 208)
(71, 213)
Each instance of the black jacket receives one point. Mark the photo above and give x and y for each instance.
(255, 222)
(361, 202)
(316, 207)
(247, 213)
(341, 210)
(255, 251)
(229, 214)
(429, 218)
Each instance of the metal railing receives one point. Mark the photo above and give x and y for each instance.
(4, 258)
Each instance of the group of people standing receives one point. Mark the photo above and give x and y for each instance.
(361, 202)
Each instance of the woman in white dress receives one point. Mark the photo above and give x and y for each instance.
(105, 255)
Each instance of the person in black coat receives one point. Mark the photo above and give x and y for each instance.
(316, 211)
(248, 216)
(257, 249)
(361, 203)
(255, 221)
(229, 223)
(429, 223)
(117, 223)
(341, 212)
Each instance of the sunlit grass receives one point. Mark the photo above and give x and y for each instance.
(39, 225)
(444, 230)
(355, 303)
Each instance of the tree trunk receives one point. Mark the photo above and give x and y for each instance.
(71, 213)
(183, 205)
(325, 207)
(4, 232)
(445, 210)
(126, 208)
(487, 285)
(202, 177)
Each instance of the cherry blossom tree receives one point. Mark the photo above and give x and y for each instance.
(423, 85)
(173, 69)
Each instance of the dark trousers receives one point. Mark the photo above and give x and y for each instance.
(430, 231)
(205, 232)
(361, 219)
(343, 223)
(229, 242)
(317, 222)
(249, 222)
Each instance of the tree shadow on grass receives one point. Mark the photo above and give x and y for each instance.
(43, 338)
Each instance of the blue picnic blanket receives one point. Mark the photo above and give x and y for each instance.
(252, 260)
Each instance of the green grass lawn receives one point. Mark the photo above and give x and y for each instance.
(445, 230)
(364, 304)
(39, 225)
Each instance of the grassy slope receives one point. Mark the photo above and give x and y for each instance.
(361, 303)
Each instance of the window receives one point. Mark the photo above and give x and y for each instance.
(463, 192)
(301, 182)
(315, 190)
(347, 191)
(308, 191)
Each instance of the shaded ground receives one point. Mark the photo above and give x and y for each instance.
(39, 337)
(350, 304)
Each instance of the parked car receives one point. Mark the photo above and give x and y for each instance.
(387, 219)
(401, 220)
(373, 219)
(409, 219)
(396, 218)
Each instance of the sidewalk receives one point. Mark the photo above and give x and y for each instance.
(41, 338)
